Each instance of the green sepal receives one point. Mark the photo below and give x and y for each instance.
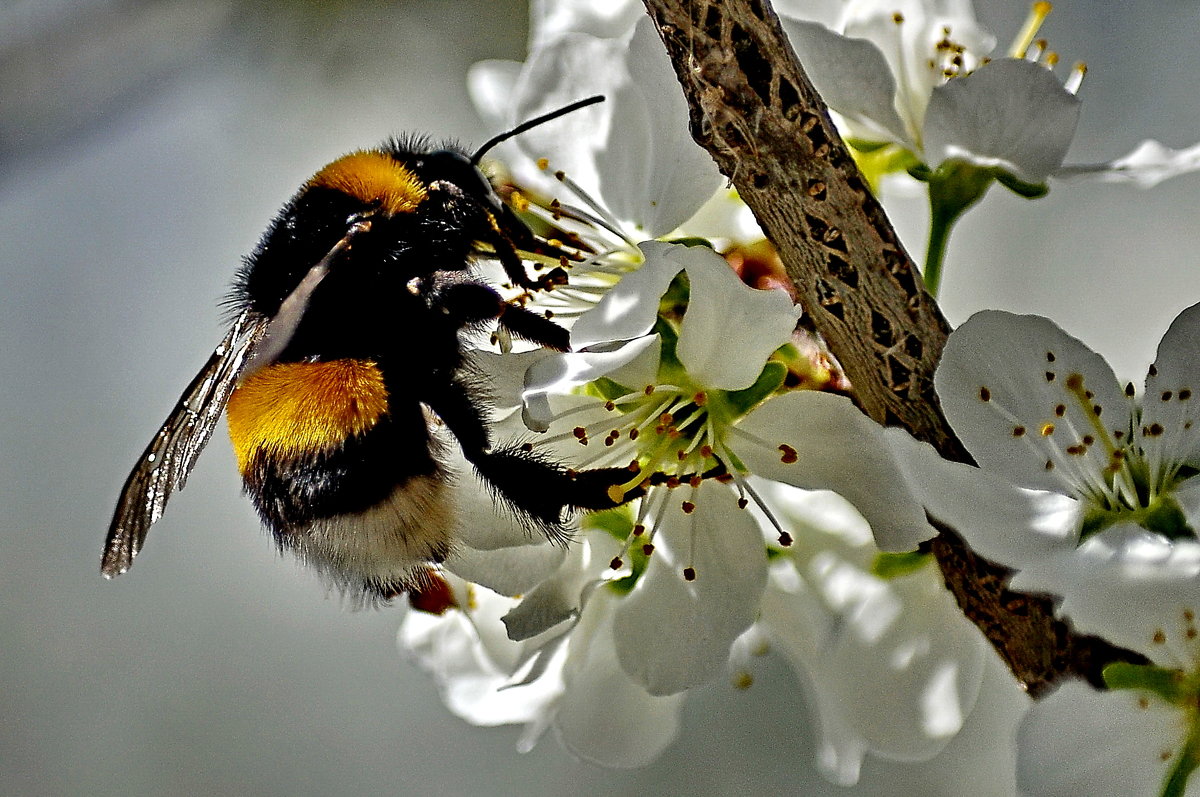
(1167, 518)
(1166, 683)
(770, 379)
(605, 388)
(894, 565)
(1019, 186)
(616, 522)
(691, 240)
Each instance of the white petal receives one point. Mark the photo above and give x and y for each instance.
(1002, 380)
(1009, 113)
(676, 176)
(1172, 397)
(672, 634)
(565, 69)
(559, 597)
(491, 84)
(1146, 166)
(1134, 588)
(840, 449)
(467, 672)
(508, 571)
(560, 374)
(729, 328)
(1005, 523)
(1079, 741)
(604, 717)
(853, 78)
(636, 155)
(827, 12)
(896, 671)
(611, 19)
(630, 308)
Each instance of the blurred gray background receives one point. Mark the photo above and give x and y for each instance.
(143, 148)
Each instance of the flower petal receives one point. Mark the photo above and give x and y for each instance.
(853, 78)
(1172, 397)
(560, 374)
(1134, 588)
(612, 19)
(1009, 113)
(1020, 393)
(468, 672)
(1005, 523)
(634, 153)
(842, 627)
(729, 329)
(828, 444)
(508, 571)
(1080, 741)
(604, 716)
(562, 595)
(671, 633)
(1147, 165)
(630, 308)
(491, 84)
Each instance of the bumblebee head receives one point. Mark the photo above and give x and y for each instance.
(454, 173)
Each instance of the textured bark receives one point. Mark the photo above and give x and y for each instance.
(755, 111)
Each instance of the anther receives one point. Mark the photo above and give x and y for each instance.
(648, 549)
(616, 563)
(789, 454)
(1047, 429)
(785, 539)
(688, 507)
(985, 394)
(689, 574)
(1049, 376)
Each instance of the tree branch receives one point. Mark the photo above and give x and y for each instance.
(755, 111)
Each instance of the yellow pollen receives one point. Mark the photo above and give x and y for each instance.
(1047, 429)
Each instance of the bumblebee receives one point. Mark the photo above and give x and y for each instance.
(343, 352)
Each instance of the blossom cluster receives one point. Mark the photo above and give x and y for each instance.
(764, 511)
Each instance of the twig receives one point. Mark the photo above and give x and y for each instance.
(755, 111)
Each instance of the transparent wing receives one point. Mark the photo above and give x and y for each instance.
(167, 461)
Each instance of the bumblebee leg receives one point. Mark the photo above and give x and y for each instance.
(533, 485)
(470, 303)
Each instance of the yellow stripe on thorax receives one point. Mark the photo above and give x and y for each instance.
(373, 177)
(296, 408)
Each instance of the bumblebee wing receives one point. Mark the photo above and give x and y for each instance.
(167, 461)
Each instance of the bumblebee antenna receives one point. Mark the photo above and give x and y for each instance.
(534, 122)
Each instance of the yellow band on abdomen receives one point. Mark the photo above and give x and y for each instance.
(288, 409)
